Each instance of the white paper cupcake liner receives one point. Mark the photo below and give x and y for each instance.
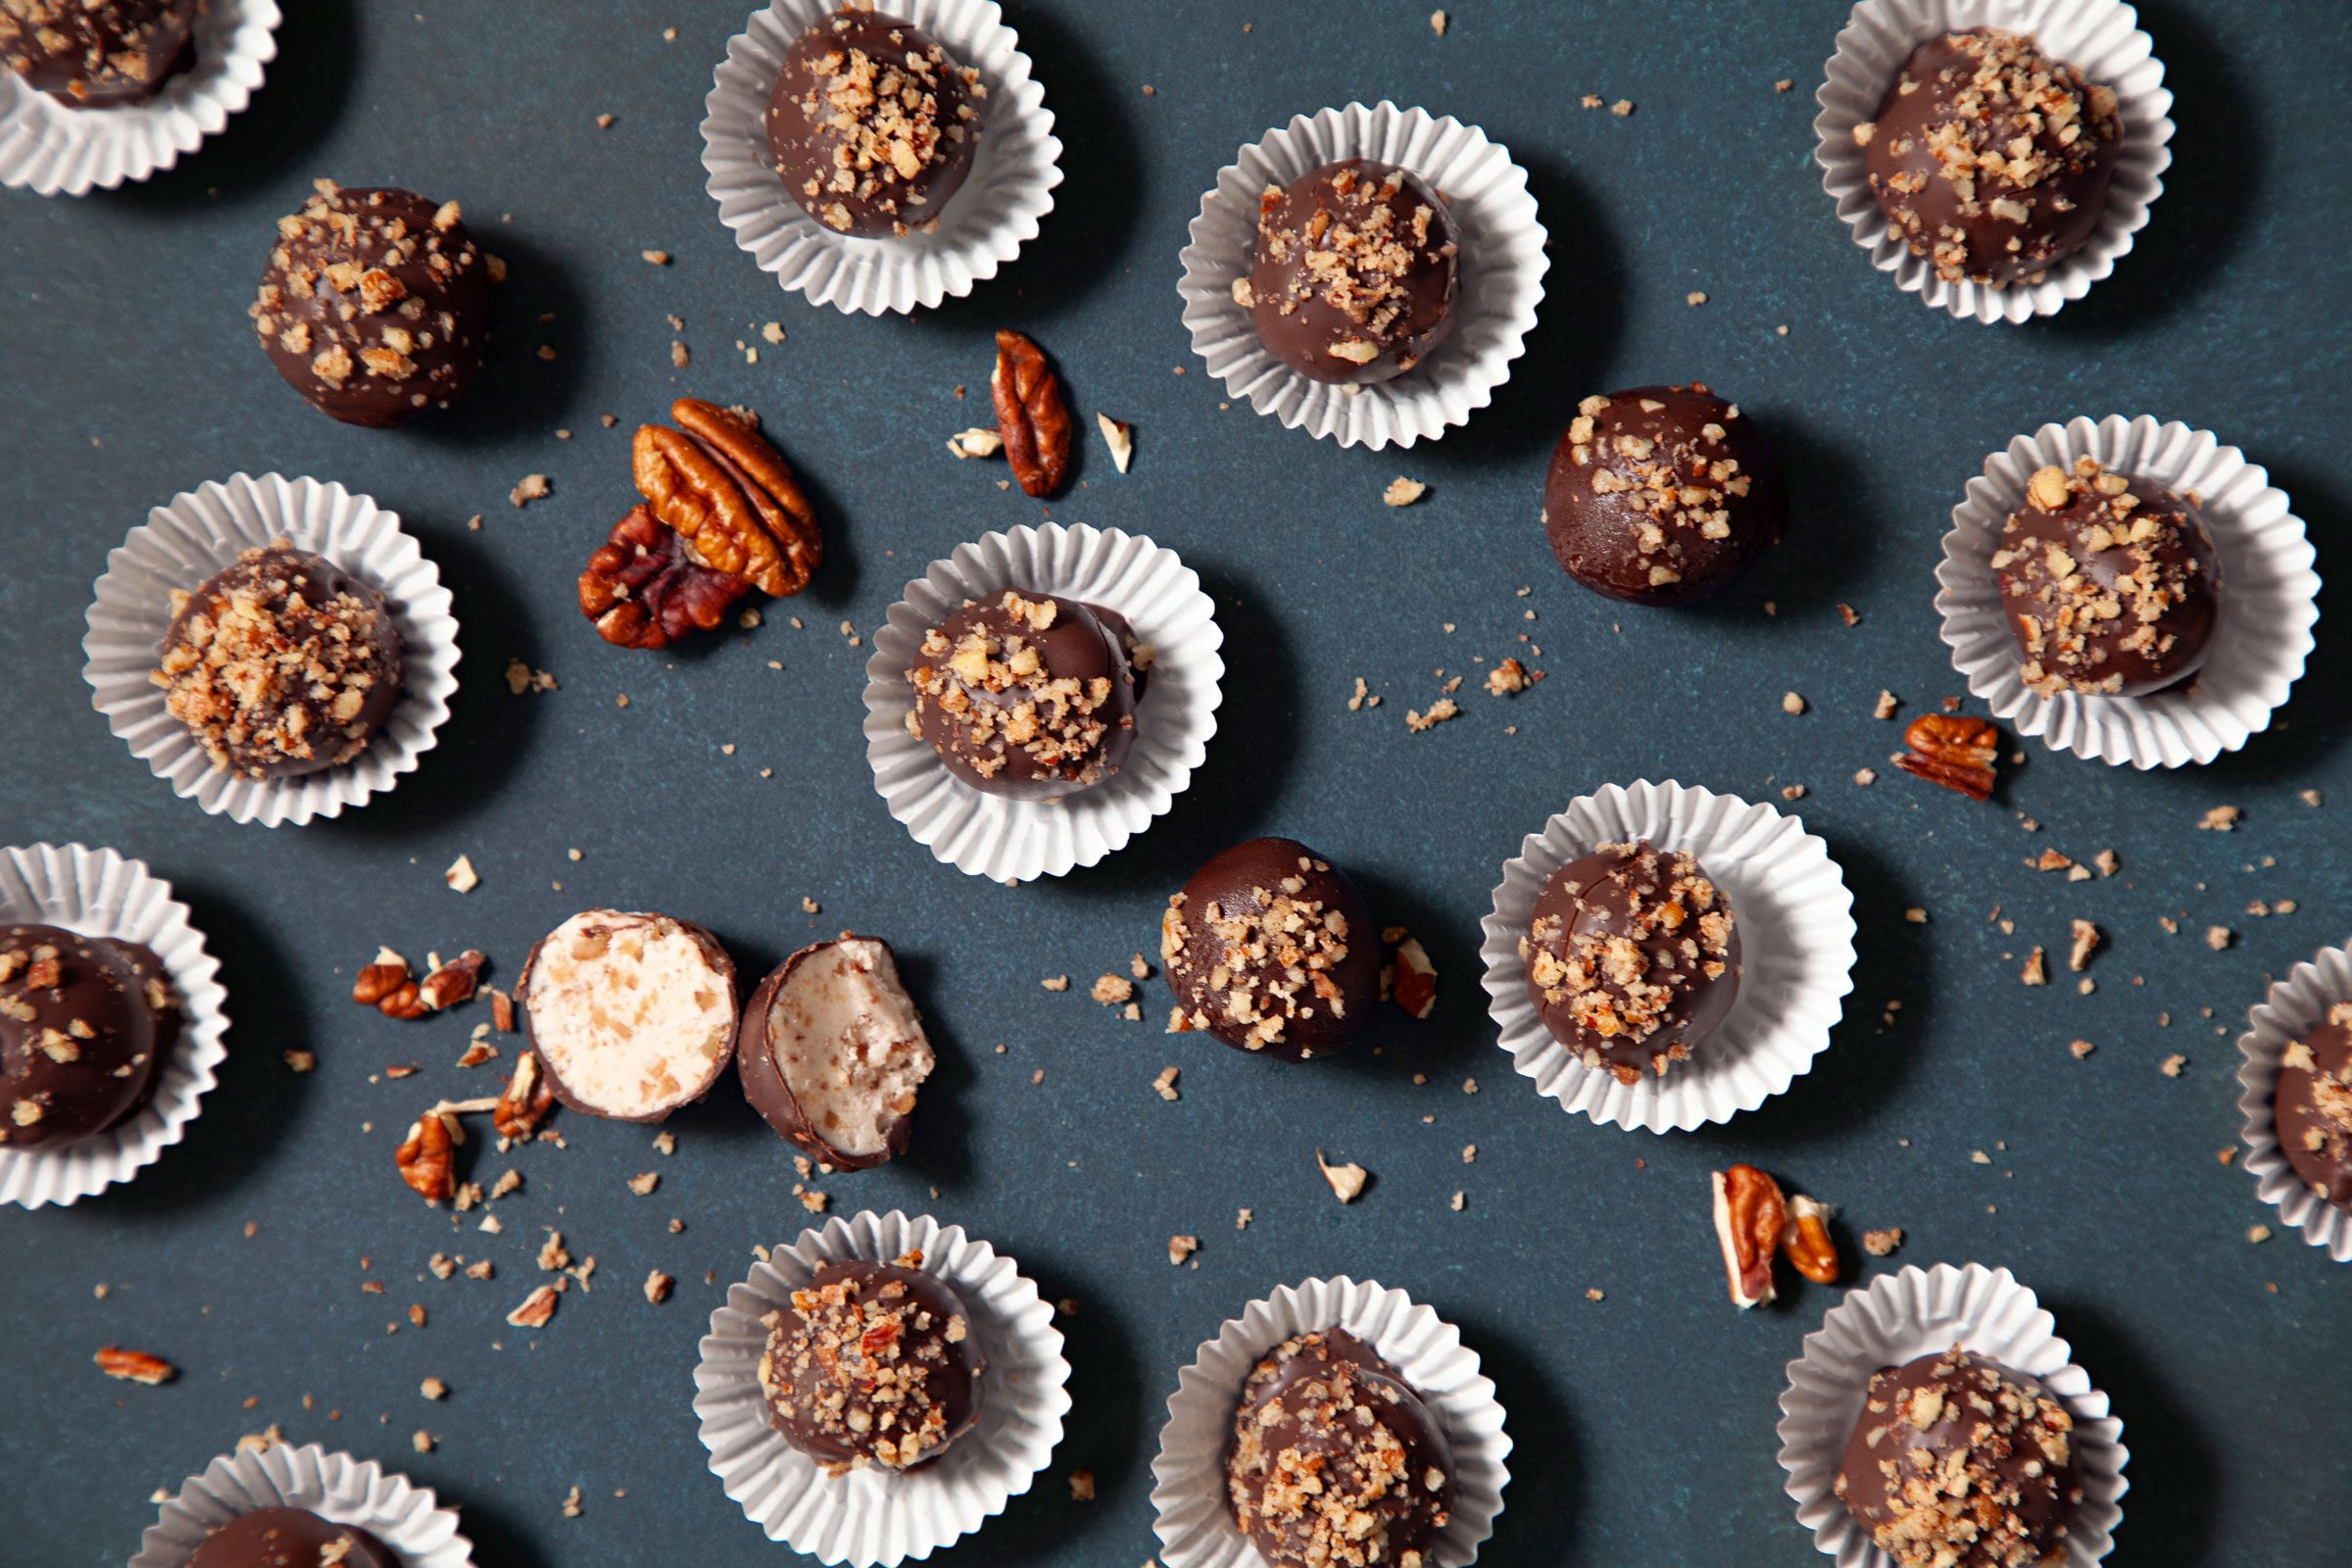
(57, 151)
(1014, 840)
(870, 1517)
(1796, 952)
(1193, 1515)
(333, 1486)
(98, 893)
(2100, 36)
(2268, 595)
(2295, 1006)
(982, 226)
(1913, 1312)
(197, 534)
(1501, 269)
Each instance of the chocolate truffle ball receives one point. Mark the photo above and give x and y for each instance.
(86, 1023)
(1025, 695)
(1356, 277)
(376, 305)
(1632, 958)
(96, 54)
(1661, 495)
(872, 1364)
(289, 1538)
(2109, 583)
(1271, 949)
(1991, 159)
(871, 124)
(832, 1051)
(2311, 1106)
(1335, 1462)
(282, 665)
(1957, 1462)
(631, 1015)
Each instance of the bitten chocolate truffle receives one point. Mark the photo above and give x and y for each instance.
(86, 1023)
(289, 1538)
(282, 665)
(1271, 949)
(1335, 1460)
(1661, 495)
(1632, 958)
(632, 1015)
(1355, 276)
(2109, 583)
(97, 54)
(1957, 1462)
(832, 1050)
(1991, 159)
(1026, 695)
(872, 1364)
(871, 125)
(2311, 1106)
(376, 305)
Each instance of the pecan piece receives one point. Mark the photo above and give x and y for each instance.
(1954, 751)
(528, 1097)
(454, 982)
(1031, 416)
(134, 1366)
(385, 986)
(1750, 1216)
(428, 1158)
(536, 1308)
(720, 485)
(1413, 979)
(1805, 1241)
(644, 589)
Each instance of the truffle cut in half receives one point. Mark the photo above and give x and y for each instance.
(832, 1051)
(632, 1015)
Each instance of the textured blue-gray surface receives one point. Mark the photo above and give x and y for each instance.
(726, 790)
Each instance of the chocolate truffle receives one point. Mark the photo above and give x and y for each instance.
(872, 1364)
(375, 304)
(1957, 1462)
(281, 664)
(1355, 277)
(871, 124)
(1990, 158)
(1025, 695)
(86, 1023)
(97, 54)
(1271, 949)
(1661, 495)
(832, 1050)
(1632, 958)
(2109, 583)
(289, 1538)
(632, 1015)
(1335, 1462)
(2311, 1106)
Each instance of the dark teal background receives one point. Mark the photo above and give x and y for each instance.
(1643, 1421)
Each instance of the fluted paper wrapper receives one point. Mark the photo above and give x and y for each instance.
(2100, 36)
(403, 1516)
(197, 534)
(874, 1518)
(2268, 595)
(1193, 1515)
(1796, 952)
(2295, 1006)
(1014, 841)
(57, 151)
(1913, 1312)
(1500, 269)
(984, 225)
(101, 894)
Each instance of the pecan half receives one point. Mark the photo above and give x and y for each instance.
(1031, 416)
(134, 1366)
(428, 1158)
(1749, 1217)
(1805, 1241)
(454, 982)
(643, 589)
(728, 494)
(1954, 751)
(528, 1097)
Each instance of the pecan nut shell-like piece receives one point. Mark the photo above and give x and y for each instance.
(644, 589)
(1031, 414)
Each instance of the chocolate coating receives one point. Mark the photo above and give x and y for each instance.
(97, 54)
(2312, 1108)
(871, 125)
(2109, 583)
(1958, 1462)
(1356, 277)
(872, 1364)
(86, 1023)
(1335, 1462)
(1271, 949)
(1025, 695)
(1990, 158)
(1632, 958)
(281, 664)
(1660, 494)
(289, 1538)
(376, 305)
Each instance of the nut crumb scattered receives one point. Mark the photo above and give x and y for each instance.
(1879, 1244)
(460, 874)
(532, 487)
(1347, 1181)
(1180, 1247)
(1403, 492)
(1791, 702)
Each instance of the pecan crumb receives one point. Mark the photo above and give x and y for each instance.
(1347, 1181)
(1879, 1244)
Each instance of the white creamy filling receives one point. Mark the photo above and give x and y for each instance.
(850, 1043)
(628, 1011)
